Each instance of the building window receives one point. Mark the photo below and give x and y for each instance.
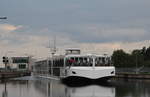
(22, 66)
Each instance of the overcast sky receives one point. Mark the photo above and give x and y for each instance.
(98, 26)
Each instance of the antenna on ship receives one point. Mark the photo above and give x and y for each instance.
(53, 48)
(53, 51)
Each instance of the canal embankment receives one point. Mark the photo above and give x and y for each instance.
(133, 73)
(13, 74)
(132, 76)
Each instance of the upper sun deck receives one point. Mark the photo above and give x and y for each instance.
(85, 55)
(75, 52)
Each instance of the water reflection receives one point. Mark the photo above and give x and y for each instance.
(56, 89)
(12, 88)
(133, 88)
(53, 88)
(4, 93)
(92, 91)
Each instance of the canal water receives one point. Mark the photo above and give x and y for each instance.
(37, 87)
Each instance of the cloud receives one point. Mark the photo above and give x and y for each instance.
(94, 26)
(38, 44)
(8, 27)
(93, 21)
(101, 38)
(124, 34)
(97, 33)
(109, 47)
(7, 31)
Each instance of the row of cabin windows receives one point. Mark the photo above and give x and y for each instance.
(77, 61)
(84, 61)
(103, 61)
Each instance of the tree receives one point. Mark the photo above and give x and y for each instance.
(147, 54)
(138, 57)
(121, 58)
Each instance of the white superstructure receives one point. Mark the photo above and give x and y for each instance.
(73, 64)
(89, 66)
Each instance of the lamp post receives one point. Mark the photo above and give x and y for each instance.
(136, 60)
